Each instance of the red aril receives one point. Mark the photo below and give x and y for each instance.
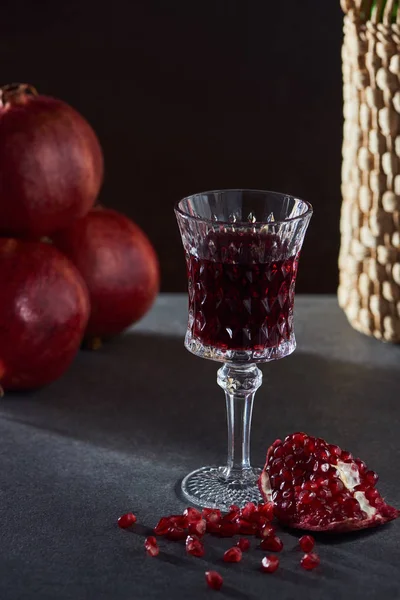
(119, 266)
(267, 510)
(228, 529)
(176, 533)
(214, 580)
(192, 514)
(266, 531)
(212, 515)
(197, 527)
(51, 164)
(306, 543)
(194, 546)
(269, 564)
(248, 511)
(233, 555)
(44, 308)
(326, 489)
(310, 561)
(151, 546)
(243, 544)
(246, 527)
(272, 543)
(163, 526)
(126, 521)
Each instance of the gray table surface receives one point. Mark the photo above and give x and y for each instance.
(125, 424)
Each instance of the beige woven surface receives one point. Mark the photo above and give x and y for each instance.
(369, 261)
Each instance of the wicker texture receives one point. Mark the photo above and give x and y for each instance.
(369, 261)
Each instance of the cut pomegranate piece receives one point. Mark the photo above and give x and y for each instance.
(197, 527)
(272, 543)
(194, 546)
(163, 526)
(310, 561)
(151, 546)
(269, 564)
(243, 544)
(307, 543)
(214, 580)
(319, 487)
(126, 521)
(233, 555)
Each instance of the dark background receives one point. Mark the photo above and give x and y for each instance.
(190, 95)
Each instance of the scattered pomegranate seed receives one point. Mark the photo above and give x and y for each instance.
(194, 546)
(178, 521)
(162, 526)
(269, 564)
(248, 510)
(176, 533)
(234, 508)
(126, 520)
(267, 510)
(306, 543)
(228, 529)
(213, 528)
(272, 543)
(267, 530)
(246, 527)
(151, 546)
(192, 514)
(310, 561)
(233, 555)
(214, 580)
(211, 515)
(243, 544)
(197, 527)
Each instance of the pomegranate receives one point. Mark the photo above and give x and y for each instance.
(119, 266)
(317, 486)
(51, 164)
(44, 308)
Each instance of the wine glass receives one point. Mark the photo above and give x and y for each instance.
(242, 250)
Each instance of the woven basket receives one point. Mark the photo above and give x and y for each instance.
(369, 261)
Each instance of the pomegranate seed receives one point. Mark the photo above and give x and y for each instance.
(126, 520)
(230, 517)
(176, 533)
(334, 450)
(306, 543)
(346, 456)
(214, 580)
(272, 543)
(233, 555)
(192, 514)
(234, 508)
(243, 544)
(151, 546)
(162, 526)
(248, 510)
(306, 497)
(269, 564)
(246, 527)
(267, 531)
(211, 515)
(228, 529)
(310, 561)
(371, 478)
(178, 521)
(197, 527)
(194, 546)
(213, 528)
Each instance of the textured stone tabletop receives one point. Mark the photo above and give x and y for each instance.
(125, 424)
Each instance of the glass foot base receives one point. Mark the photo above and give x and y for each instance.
(209, 487)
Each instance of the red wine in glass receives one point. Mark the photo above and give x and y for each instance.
(240, 303)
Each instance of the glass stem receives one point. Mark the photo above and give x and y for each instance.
(240, 384)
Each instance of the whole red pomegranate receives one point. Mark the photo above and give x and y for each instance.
(119, 266)
(320, 487)
(44, 308)
(51, 163)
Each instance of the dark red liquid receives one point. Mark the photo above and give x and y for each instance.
(240, 303)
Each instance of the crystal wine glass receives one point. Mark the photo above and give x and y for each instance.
(242, 250)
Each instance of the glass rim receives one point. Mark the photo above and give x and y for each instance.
(186, 215)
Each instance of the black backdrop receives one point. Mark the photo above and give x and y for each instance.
(190, 95)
